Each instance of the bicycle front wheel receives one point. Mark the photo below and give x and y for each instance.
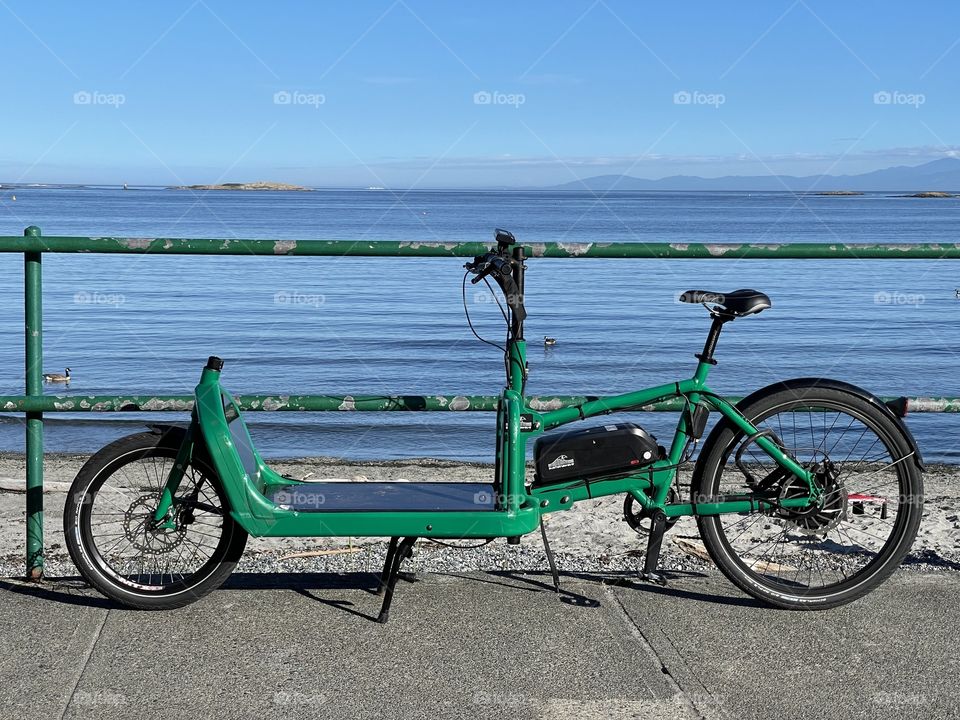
(122, 553)
(833, 553)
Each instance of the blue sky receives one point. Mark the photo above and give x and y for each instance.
(443, 94)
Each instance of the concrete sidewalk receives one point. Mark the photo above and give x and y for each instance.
(480, 646)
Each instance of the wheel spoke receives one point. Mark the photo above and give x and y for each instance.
(816, 549)
(127, 546)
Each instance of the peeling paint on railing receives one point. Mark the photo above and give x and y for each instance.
(359, 403)
(233, 246)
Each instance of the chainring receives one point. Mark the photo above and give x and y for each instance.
(639, 519)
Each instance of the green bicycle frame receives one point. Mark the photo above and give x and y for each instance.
(247, 480)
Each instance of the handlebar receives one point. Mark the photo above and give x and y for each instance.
(490, 264)
(498, 264)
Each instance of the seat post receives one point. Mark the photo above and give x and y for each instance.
(712, 337)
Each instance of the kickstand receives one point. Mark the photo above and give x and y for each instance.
(398, 551)
(658, 525)
(549, 552)
(387, 563)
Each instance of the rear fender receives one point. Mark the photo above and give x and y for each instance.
(839, 385)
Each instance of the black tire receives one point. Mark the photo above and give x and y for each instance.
(119, 486)
(873, 497)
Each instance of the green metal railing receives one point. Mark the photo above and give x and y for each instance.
(34, 403)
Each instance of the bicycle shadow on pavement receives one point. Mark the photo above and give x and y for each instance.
(542, 582)
(75, 591)
(66, 590)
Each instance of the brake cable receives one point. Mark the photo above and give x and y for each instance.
(460, 547)
(466, 312)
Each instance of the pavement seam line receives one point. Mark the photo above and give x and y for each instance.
(706, 691)
(638, 635)
(83, 666)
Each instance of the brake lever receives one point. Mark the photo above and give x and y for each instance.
(481, 275)
(492, 262)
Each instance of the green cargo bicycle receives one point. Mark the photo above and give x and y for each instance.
(807, 493)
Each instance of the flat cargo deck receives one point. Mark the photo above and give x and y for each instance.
(385, 497)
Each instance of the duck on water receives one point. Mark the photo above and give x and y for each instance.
(57, 377)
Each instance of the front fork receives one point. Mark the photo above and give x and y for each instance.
(163, 516)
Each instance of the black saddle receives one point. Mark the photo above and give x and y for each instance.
(737, 303)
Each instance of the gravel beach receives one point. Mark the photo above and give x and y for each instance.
(593, 537)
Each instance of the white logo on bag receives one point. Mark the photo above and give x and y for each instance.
(561, 461)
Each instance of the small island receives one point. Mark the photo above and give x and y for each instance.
(841, 193)
(930, 194)
(260, 185)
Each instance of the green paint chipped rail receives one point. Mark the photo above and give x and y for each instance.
(360, 403)
(312, 248)
(34, 404)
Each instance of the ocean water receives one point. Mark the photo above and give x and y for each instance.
(138, 324)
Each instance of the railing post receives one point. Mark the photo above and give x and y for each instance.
(33, 365)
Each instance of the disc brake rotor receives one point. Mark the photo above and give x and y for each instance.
(138, 527)
(816, 519)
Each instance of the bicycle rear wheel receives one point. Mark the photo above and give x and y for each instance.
(114, 543)
(818, 557)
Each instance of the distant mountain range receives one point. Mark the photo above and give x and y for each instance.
(943, 174)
